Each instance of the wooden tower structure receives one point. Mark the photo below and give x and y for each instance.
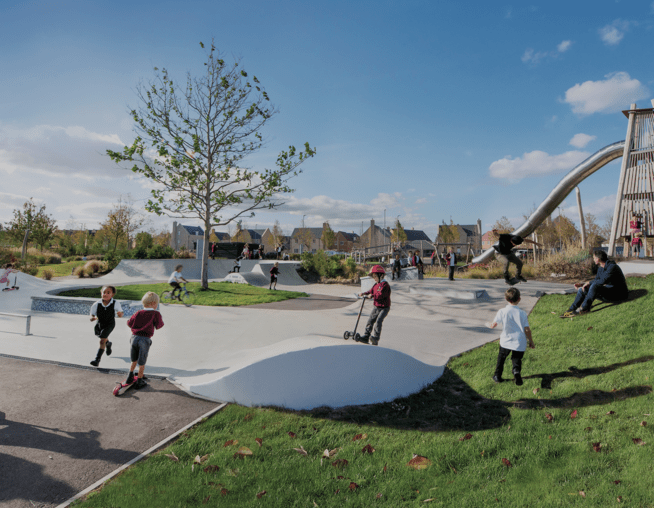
(636, 185)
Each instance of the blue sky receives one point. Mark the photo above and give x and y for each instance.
(425, 109)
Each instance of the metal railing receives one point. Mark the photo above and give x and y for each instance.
(27, 316)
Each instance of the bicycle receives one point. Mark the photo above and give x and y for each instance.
(184, 296)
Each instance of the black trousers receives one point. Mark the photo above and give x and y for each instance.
(516, 359)
(451, 272)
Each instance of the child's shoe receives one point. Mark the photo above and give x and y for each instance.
(497, 379)
(140, 384)
(108, 346)
(130, 378)
(96, 362)
(518, 379)
(363, 339)
(374, 341)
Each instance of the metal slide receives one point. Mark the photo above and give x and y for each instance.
(561, 191)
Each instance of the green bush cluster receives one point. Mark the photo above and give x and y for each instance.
(325, 266)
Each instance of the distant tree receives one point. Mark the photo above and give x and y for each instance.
(144, 240)
(566, 230)
(503, 225)
(162, 237)
(398, 235)
(594, 237)
(328, 237)
(605, 228)
(304, 237)
(448, 233)
(42, 227)
(193, 140)
(277, 235)
(113, 227)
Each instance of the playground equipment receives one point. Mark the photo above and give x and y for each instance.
(635, 188)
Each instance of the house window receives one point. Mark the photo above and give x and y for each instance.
(295, 251)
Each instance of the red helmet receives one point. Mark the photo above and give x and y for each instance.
(378, 269)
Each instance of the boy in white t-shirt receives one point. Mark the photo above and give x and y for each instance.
(516, 335)
(174, 279)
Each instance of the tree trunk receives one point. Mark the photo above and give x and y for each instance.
(205, 255)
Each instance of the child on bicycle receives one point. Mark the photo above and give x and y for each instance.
(143, 323)
(174, 279)
(105, 312)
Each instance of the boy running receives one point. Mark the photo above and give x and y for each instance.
(143, 324)
(516, 334)
(105, 312)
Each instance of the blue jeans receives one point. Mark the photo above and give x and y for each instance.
(599, 292)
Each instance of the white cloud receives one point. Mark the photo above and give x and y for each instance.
(536, 163)
(534, 57)
(322, 208)
(384, 200)
(601, 209)
(421, 201)
(55, 150)
(612, 94)
(581, 140)
(613, 33)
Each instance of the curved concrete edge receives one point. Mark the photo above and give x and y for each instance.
(469, 295)
(312, 373)
(252, 278)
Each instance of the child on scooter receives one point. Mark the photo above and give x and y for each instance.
(381, 294)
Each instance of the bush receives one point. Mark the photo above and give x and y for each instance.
(112, 259)
(80, 272)
(53, 259)
(184, 254)
(160, 252)
(47, 274)
(28, 269)
(92, 267)
(350, 268)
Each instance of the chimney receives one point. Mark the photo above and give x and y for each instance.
(324, 225)
(372, 223)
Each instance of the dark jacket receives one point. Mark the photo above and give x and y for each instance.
(611, 276)
(506, 243)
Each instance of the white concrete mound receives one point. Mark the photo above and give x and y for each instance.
(307, 372)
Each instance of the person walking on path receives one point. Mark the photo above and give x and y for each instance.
(451, 263)
(515, 337)
(381, 294)
(609, 285)
(274, 272)
(143, 323)
(504, 250)
(105, 311)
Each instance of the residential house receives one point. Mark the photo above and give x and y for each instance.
(222, 237)
(314, 237)
(344, 242)
(418, 240)
(268, 240)
(469, 234)
(487, 240)
(189, 237)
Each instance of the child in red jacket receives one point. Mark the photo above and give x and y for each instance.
(143, 324)
(381, 294)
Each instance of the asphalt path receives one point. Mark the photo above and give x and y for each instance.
(61, 429)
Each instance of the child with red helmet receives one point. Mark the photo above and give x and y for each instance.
(381, 294)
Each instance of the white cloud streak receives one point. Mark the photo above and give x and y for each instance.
(534, 164)
(613, 33)
(610, 95)
(581, 140)
(530, 56)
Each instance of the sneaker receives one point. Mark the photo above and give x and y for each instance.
(363, 339)
(497, 379)
(508, 281)
(130, 378)
(518, 379)
(140, 384)
(95, 363)
(374, 341)
(581, 312)
(108, 350)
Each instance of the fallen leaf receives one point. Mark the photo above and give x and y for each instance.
(466, 437)
(554, 313)
(581, 492)
(340, 463)
(379, 495)
(589, 328)
(247, 417)
(573, 414)
(244, 450)
(536, 390)
(597, 447)
(429, 500)
(353, 486)
(419, 462)
(638, 441)
(340, 477)
(617, 482)
(482, 452)
(588, 429)
(206, 500)
(301, 451)
(507, 462)
(292, 434)
(619, 499)
(360, 436)
(368, 449)
(329, 454)
(384, 468)
(200, 460)
(643, 423)
(230, 443)
(172, 456)
(224, 492)
(611, 413)
(211, 469)
(549, 417)
(259, 441)
(550, 437)
(261, 494)
(337, 491)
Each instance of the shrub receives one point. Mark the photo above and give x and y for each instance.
(160, 252)
(80, 272)
(53, 259)
(92, 267)
(111, 259)
(28, 269)
(350, 268)
(183, 254)
(47, 274)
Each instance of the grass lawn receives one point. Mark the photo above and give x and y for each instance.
(223, 294)
(61, 269)
(575, 434)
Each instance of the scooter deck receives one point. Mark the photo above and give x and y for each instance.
(121, 388)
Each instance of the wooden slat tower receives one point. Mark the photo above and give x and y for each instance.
(636, 184)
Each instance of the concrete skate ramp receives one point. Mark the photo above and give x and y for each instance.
(312, 371)
(160, 269)
(288, 275)
(253, 278)
(20, 301)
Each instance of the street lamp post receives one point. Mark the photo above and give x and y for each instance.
(302, 236)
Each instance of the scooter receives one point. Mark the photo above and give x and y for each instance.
(14, 287)
(354, 335)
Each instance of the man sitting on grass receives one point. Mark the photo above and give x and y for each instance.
(609, 285)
